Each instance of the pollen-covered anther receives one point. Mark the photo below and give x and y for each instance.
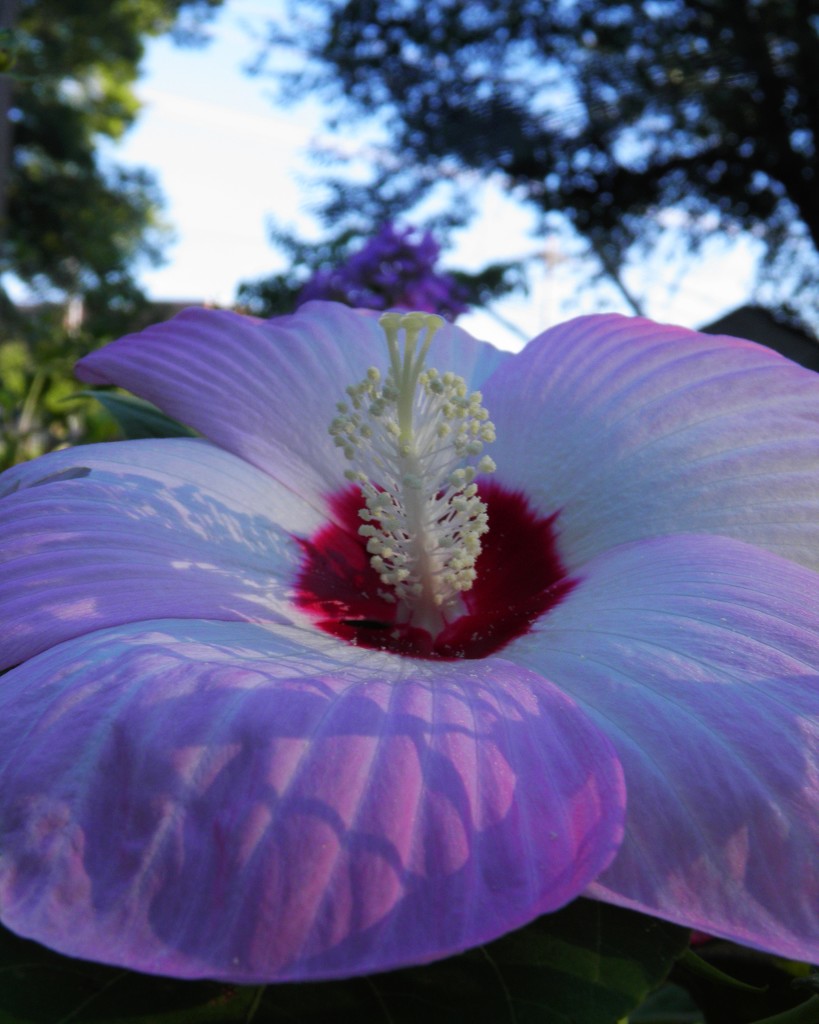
(416, 438)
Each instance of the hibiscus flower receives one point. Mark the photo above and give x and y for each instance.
(243, 738)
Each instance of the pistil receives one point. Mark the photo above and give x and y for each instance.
(415, 442)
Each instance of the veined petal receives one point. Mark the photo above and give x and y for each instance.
(248, 803)
(106, 534)
(633, 429)
(266, 390)
(699, 657)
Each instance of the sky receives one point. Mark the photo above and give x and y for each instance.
(228, 158)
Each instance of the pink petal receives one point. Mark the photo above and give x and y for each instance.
(699, 658)
(632, 429)
(225, 800)
(267, 390)
(107, 534)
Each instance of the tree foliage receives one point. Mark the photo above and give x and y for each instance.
(623, 116)
(74, 221)
(71, 220)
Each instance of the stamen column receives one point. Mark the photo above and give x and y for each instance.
(416, 442)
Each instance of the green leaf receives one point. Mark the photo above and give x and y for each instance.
(137, 418)
(586, 964)
(735, 985)
(805, 1013)
(697, 965)
(670, 1004)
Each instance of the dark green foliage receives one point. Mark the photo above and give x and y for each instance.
(39, 406)
(587, 964)
(74, 221)
(734, 985)
(136, 418)
(75, 225)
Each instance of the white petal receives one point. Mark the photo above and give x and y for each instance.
(631, 429)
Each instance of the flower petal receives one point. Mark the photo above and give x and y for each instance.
(106, 534)
(699, 657)
(247, 803)
(634, 429)
(267, 390)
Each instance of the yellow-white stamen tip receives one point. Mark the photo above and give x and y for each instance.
(416, 440)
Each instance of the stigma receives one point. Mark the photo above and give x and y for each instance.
(415, 443)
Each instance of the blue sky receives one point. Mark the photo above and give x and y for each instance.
(228, 158)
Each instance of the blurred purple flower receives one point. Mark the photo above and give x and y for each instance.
(224, 754)
(395, 269)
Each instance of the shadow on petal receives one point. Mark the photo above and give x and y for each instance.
(217, 799)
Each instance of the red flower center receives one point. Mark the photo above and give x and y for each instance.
(520, 576)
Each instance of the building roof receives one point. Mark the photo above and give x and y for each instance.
(755, 323)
